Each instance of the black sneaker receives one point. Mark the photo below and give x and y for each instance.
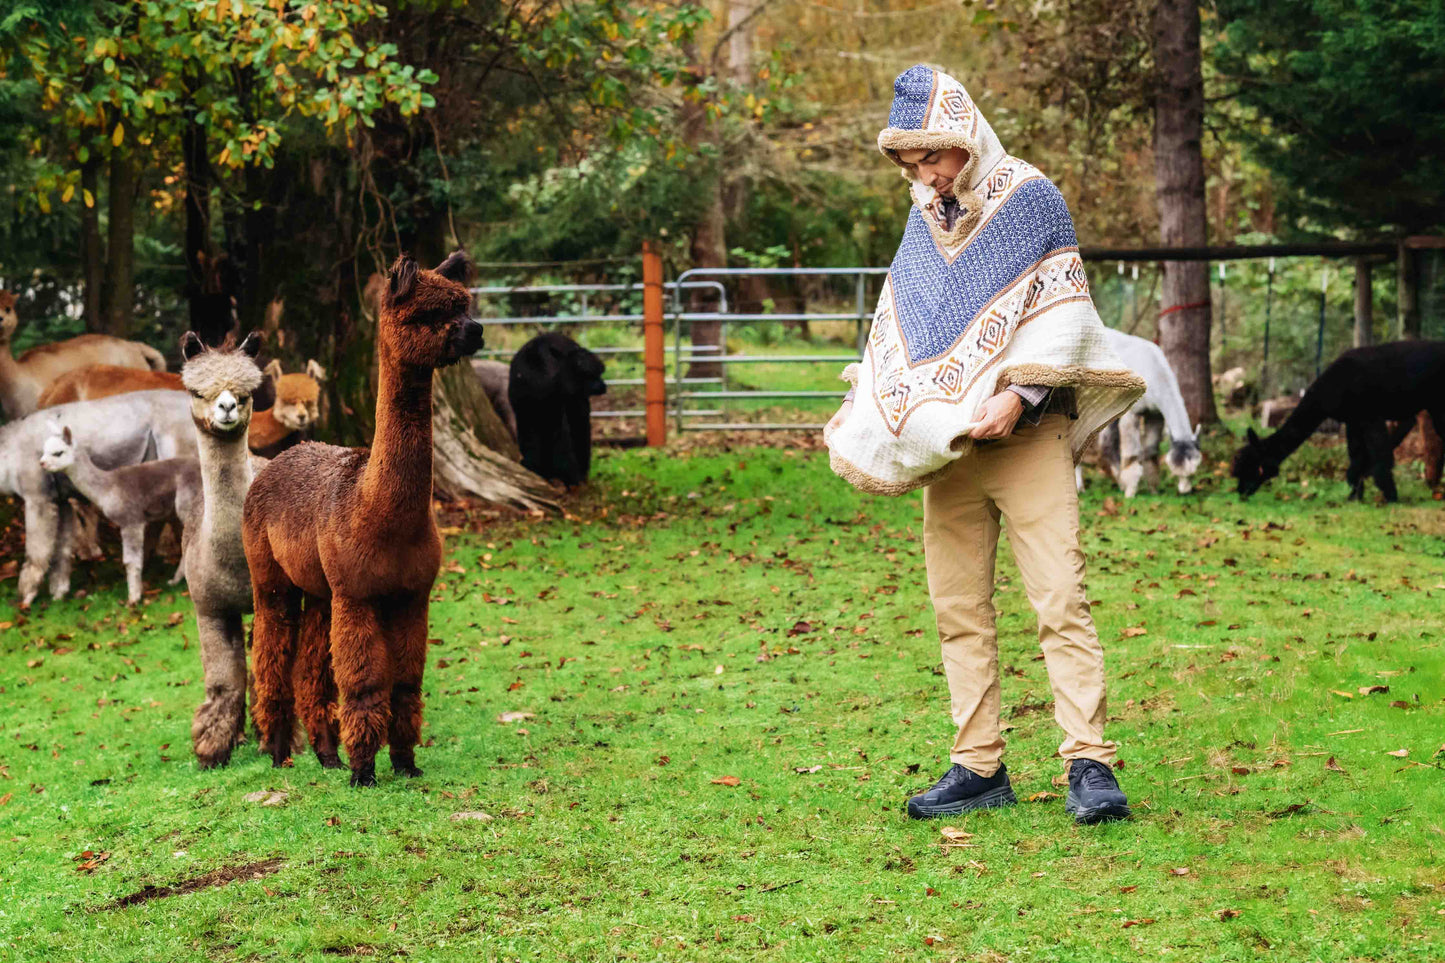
(1094, 793)
(961, 790)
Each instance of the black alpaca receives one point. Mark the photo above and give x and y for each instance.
(1363, 388)
(551, 381)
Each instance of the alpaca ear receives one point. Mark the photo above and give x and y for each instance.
(401, 279)
(273, 369)
(1251, 436)
(457, 267)
(314, 371)
(252, 345)
(65, 433)
(191, 345)
(1197, 429)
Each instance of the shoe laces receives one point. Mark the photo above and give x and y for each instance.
(1094, 775)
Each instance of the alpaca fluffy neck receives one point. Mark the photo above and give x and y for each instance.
(225, 477)
(91, 481)
(1296, 429)
(398, 477)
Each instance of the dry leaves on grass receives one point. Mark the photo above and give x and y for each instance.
(1373, 689)
(1398, 753)
(727, 781)
(473, 816)
(1043, 796)
(266, 797)
(1134, 631)
(1144, 922)
(1227, 914)
(89, 861)
(953, 836)
(508, 717)
(1179, 871)
(1333, 766)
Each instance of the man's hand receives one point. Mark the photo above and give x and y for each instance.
(837, 420)
(997, 417)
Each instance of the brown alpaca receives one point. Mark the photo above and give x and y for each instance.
(221, 382)
(343, 548)
(23, 379)
(102, 381)
(284, 424)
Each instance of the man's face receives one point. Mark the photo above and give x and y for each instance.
(936, 168)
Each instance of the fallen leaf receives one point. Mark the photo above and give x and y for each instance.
(1399, 704)
(1399, 753)
(800, 628)
(954, 835)
(508, 717)
(1373, 689)
(1227, 914)
(1134, 631)
(5, 799)
(662, 760)
(473, 816)
(930, 940)
(176, 618)
(515, 686)
(1144, 922)
(727, 781)
(744, 918)
(1239, 770)
(91, 862)
(1333, 766)
(1179, 871)
(34, 663)
(806, 770)
(1289, 810)
(1343, 695)
(1042, 796)
(1127, 889)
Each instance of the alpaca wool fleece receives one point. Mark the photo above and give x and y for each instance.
(1000, 298)
(213, 372)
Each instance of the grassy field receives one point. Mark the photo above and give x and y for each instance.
(729, 683)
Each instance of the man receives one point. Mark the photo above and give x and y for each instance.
(985, 376)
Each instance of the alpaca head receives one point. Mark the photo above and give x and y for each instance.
(297, 395)
(58, 452)
(1253, 466)
(1183, 460)
(425, 317)
(221, 382)
(9, 320)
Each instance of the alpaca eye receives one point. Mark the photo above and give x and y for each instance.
(243, 399)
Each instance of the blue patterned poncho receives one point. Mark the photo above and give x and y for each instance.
(999, 297)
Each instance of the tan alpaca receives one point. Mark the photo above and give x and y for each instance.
(103, 380)
(23, 379)
(130, 496)
(297, 408)
(221, 382)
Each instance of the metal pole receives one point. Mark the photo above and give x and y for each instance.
(862, 291)
(1268, 303)
(1320, 338)
(654, 351)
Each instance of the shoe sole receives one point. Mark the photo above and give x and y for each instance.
(993, 799)
(1098, 814)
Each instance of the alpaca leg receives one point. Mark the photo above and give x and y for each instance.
(87, 531)
(1355, 442)
(406, 626)
(132, 552)
(1153, 437)
(217, 725)
(180, 572)
(362, 664)
(63, 556)
(1131, 454)
(314, 682)
(1109, 451)
(273, 654)
(42, 523)
(1078, 478)
(1382, 460)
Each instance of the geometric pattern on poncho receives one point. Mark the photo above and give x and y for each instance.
(940, 294)
(899, 387)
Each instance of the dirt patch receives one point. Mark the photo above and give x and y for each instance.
(216, 877)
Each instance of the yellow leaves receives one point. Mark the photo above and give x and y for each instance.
(67, 194)
(117, 136)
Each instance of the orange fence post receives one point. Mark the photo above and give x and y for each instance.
(653, 355)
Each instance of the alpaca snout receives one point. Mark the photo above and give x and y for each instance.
(466, 338)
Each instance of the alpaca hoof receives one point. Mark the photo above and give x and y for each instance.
(411, 772)
(330, 760)
(283, 762)
(365, 776)
(213, 760)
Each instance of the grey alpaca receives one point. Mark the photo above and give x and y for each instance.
(221, 382)
(121, 430)
(1129, 447)
(130, 496)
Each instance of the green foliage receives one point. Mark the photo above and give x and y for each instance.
(747, 614)
(1345, 104)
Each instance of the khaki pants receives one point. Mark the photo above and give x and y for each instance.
(1028, 479)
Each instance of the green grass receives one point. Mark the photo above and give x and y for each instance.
(655, 639)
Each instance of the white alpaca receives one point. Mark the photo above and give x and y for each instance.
(130, 496)
(123, 430)
(1129, 448)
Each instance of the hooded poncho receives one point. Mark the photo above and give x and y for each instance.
(998, 299)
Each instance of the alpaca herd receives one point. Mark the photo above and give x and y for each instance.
(335, 550)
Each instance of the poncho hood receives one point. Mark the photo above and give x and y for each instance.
(1000, 297)
(933, 111)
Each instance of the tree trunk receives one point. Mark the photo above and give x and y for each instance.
(464, 464)
(198, 215)
(709, 249)
(1179, 191)
(1364, 304)
(92, 260)
(119, 288)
